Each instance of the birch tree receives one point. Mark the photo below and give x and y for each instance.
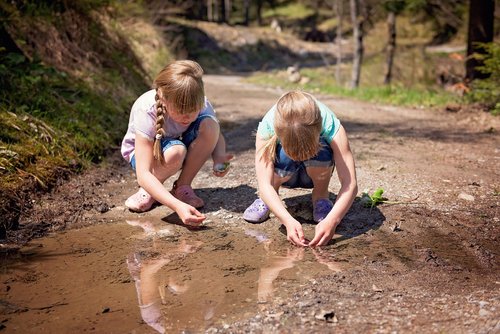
(339, 8)
(393, 8)
(357, 28)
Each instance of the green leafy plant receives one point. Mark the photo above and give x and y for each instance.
(369, 201)
(486, 90)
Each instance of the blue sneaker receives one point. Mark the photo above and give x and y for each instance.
(257, 212)
(321, 209)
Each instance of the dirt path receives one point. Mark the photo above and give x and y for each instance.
(428, 266)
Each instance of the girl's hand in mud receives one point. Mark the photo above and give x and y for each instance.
(190, 216)
(324, 232)
(222, 164)
(295, 233)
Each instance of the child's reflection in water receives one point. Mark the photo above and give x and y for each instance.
(269, 273)
(277, 262)
(151, 294)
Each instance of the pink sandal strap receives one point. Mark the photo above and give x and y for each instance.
(186, 194)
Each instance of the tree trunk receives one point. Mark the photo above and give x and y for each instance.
(216, 11)
(246, 10)
(357, 25)
(259, 12)
(481, 17)
(210, 10)
(339, 12)
(391, 46)
(227, 10)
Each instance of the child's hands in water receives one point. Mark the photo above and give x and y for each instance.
(324, 232)
(222, 164)
(295, 233)
(189, 215)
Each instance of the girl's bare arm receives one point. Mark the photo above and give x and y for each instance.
(144, 165)
(346, 172)
(265, 172)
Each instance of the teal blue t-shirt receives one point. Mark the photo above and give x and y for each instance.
(330, 126)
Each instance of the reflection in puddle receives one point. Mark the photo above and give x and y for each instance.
(275, 263)
(150, 292)
(150, 230)
(260, 236)
(184, 283)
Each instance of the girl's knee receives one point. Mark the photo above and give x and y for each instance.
(279, 180)
(320, 173)
(174, 156)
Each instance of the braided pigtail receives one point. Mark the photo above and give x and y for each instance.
(160, 119)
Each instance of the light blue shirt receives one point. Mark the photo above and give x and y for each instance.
(330, 123)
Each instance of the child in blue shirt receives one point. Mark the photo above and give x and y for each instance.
(299, 142)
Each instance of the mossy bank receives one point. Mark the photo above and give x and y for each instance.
(69, 73)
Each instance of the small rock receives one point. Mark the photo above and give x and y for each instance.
(396, 227)
(294, 78)
(484, 313)
(376, 289)
(466, 197)
(453, 107)
(304, 80)
(483, 303)
(103, 208)
(328, 316)
(293, 74)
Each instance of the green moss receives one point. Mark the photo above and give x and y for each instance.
(50, 121)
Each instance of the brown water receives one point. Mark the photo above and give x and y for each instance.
(146, 275)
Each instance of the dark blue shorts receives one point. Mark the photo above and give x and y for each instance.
(185, 139)
(285, 166)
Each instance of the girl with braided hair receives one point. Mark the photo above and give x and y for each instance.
(299, 143)
(173, 127)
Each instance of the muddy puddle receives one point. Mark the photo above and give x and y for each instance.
(148, 275)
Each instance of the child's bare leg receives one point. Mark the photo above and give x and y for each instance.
(142, 201)
(174, 157)
(321, 178)
(278, 181)
(199, 151)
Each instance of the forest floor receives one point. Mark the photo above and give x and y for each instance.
(427, 264)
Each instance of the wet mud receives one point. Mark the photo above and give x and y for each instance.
(142, 273)
(428, 263)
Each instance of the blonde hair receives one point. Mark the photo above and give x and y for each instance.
(297, 125)
(180, 84)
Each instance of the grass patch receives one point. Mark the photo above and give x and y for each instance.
(55, 120)
(415, 72)
(292, 11)
(395, 94)
(49, 121)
